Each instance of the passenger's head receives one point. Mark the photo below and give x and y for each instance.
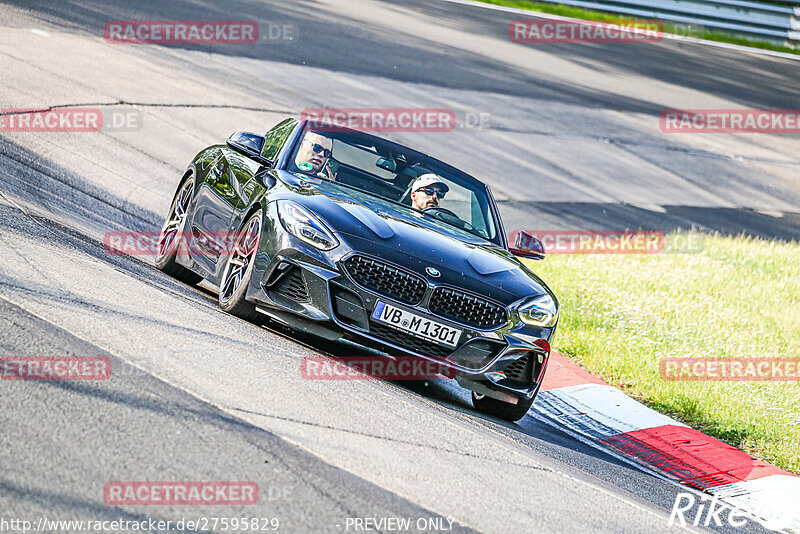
(427, 190)
(313, 153)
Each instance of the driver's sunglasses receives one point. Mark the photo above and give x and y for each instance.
(430, 191)
(319, 149)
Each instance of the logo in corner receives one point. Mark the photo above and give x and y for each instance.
(433, 272)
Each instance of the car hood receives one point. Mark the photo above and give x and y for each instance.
(405, 237)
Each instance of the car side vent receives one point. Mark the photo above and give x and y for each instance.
(521, 370)
(291, 285)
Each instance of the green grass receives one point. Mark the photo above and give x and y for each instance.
(738, 297)
(589, 14)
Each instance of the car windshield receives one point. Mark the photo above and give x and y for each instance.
(398, 174)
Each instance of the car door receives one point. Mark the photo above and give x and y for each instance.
(219, 196)
(245, 187)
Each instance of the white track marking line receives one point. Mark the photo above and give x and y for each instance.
(599, 411)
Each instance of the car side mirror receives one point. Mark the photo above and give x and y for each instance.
(248, 144)
(527, 246)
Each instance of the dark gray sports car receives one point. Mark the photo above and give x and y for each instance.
(341, 233)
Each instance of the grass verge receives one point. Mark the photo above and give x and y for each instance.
(677, 29)
(738, 297)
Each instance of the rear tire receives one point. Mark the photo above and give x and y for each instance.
(502, 410)
(171, 239)
(239, 269)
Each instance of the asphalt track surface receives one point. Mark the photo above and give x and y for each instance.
(572, 141)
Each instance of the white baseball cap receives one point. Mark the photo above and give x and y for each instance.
(429, 179)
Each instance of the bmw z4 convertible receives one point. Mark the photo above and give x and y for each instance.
(339, 233)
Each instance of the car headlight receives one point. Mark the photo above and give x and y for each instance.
(302, 224)
(540, 311)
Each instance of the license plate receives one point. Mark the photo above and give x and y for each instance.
(416, 324)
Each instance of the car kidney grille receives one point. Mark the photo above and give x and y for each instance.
(467, 309)
(385, 279)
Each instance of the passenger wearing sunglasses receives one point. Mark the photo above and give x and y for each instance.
(313, 155)
(426, 192)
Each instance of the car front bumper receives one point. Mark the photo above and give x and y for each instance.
(319, 295)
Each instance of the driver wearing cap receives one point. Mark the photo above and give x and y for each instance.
(426, 191)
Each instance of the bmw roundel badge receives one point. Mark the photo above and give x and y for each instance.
(433, 272)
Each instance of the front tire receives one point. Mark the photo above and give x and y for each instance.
(502, 410)
(239, 269)
(170, 239)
